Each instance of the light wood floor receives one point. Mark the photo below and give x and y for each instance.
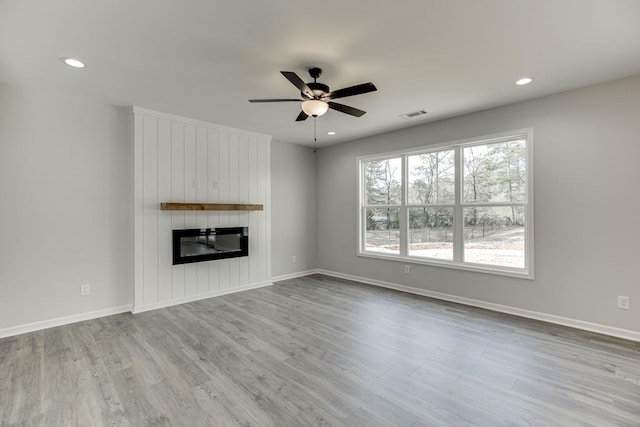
(318, 351)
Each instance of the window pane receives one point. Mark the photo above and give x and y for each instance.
(495, 172)
(383, 230)
(383, 182)
(431, 178)
(431, 232)
(494, 235)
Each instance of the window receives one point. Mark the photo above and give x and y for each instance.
(463, 205)
(383, 182)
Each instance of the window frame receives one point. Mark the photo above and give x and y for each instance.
(458, 207)
(451, 206)
(363, 206)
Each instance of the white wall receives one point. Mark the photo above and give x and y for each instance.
(183, 160)
(293, 197)
(587, 154)
(65, 206)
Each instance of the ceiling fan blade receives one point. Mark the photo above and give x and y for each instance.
(350, 91)
(346, 109)
(275, 100)
(302, 116)
(299, 83)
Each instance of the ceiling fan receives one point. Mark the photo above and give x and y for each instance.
(316, 97)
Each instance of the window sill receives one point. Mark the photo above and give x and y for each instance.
(500, 271)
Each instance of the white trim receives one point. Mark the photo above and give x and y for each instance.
(267, 207)
(205, 295)
(550, 318)
(529, 220)
(529, 314)
(138, 200)
(187, 120)
(293, 275)
(458, 209)
(61, 321)
(403, 223)
(455, 265)
(445, 144)
(66, 320)
(360, 208)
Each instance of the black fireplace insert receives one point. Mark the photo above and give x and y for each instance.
(205, 244)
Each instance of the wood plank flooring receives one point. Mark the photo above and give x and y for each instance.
(318, 351)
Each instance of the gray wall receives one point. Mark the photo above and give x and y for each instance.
(66, 176)
(587, 154)
(66, 203)
(293, 208)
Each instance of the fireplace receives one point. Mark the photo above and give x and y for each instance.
(205, 244)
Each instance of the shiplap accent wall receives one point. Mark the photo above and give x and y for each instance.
(183, 160)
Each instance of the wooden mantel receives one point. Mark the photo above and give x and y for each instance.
(171, 206)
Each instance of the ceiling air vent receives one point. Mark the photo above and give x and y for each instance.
(412, 114)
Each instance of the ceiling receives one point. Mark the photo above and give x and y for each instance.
(204, 59)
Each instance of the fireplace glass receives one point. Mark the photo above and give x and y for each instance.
(205, 244)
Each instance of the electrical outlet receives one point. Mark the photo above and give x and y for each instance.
(623, 302)
(294, 259)
(407, 269)
(85, 289)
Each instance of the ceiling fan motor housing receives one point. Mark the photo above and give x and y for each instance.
(318, 89)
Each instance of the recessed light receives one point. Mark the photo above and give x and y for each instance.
(524, 81)
(73, 62)
(331, 132)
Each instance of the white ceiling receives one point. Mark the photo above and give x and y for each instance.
(204, 59)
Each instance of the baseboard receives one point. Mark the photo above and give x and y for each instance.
(293, 275)
(565, 321)
(61, 321)
(550, 318)
(184, 300)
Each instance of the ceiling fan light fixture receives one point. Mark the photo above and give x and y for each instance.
(315, 107)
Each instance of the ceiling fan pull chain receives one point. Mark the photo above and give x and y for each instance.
(315, 135)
